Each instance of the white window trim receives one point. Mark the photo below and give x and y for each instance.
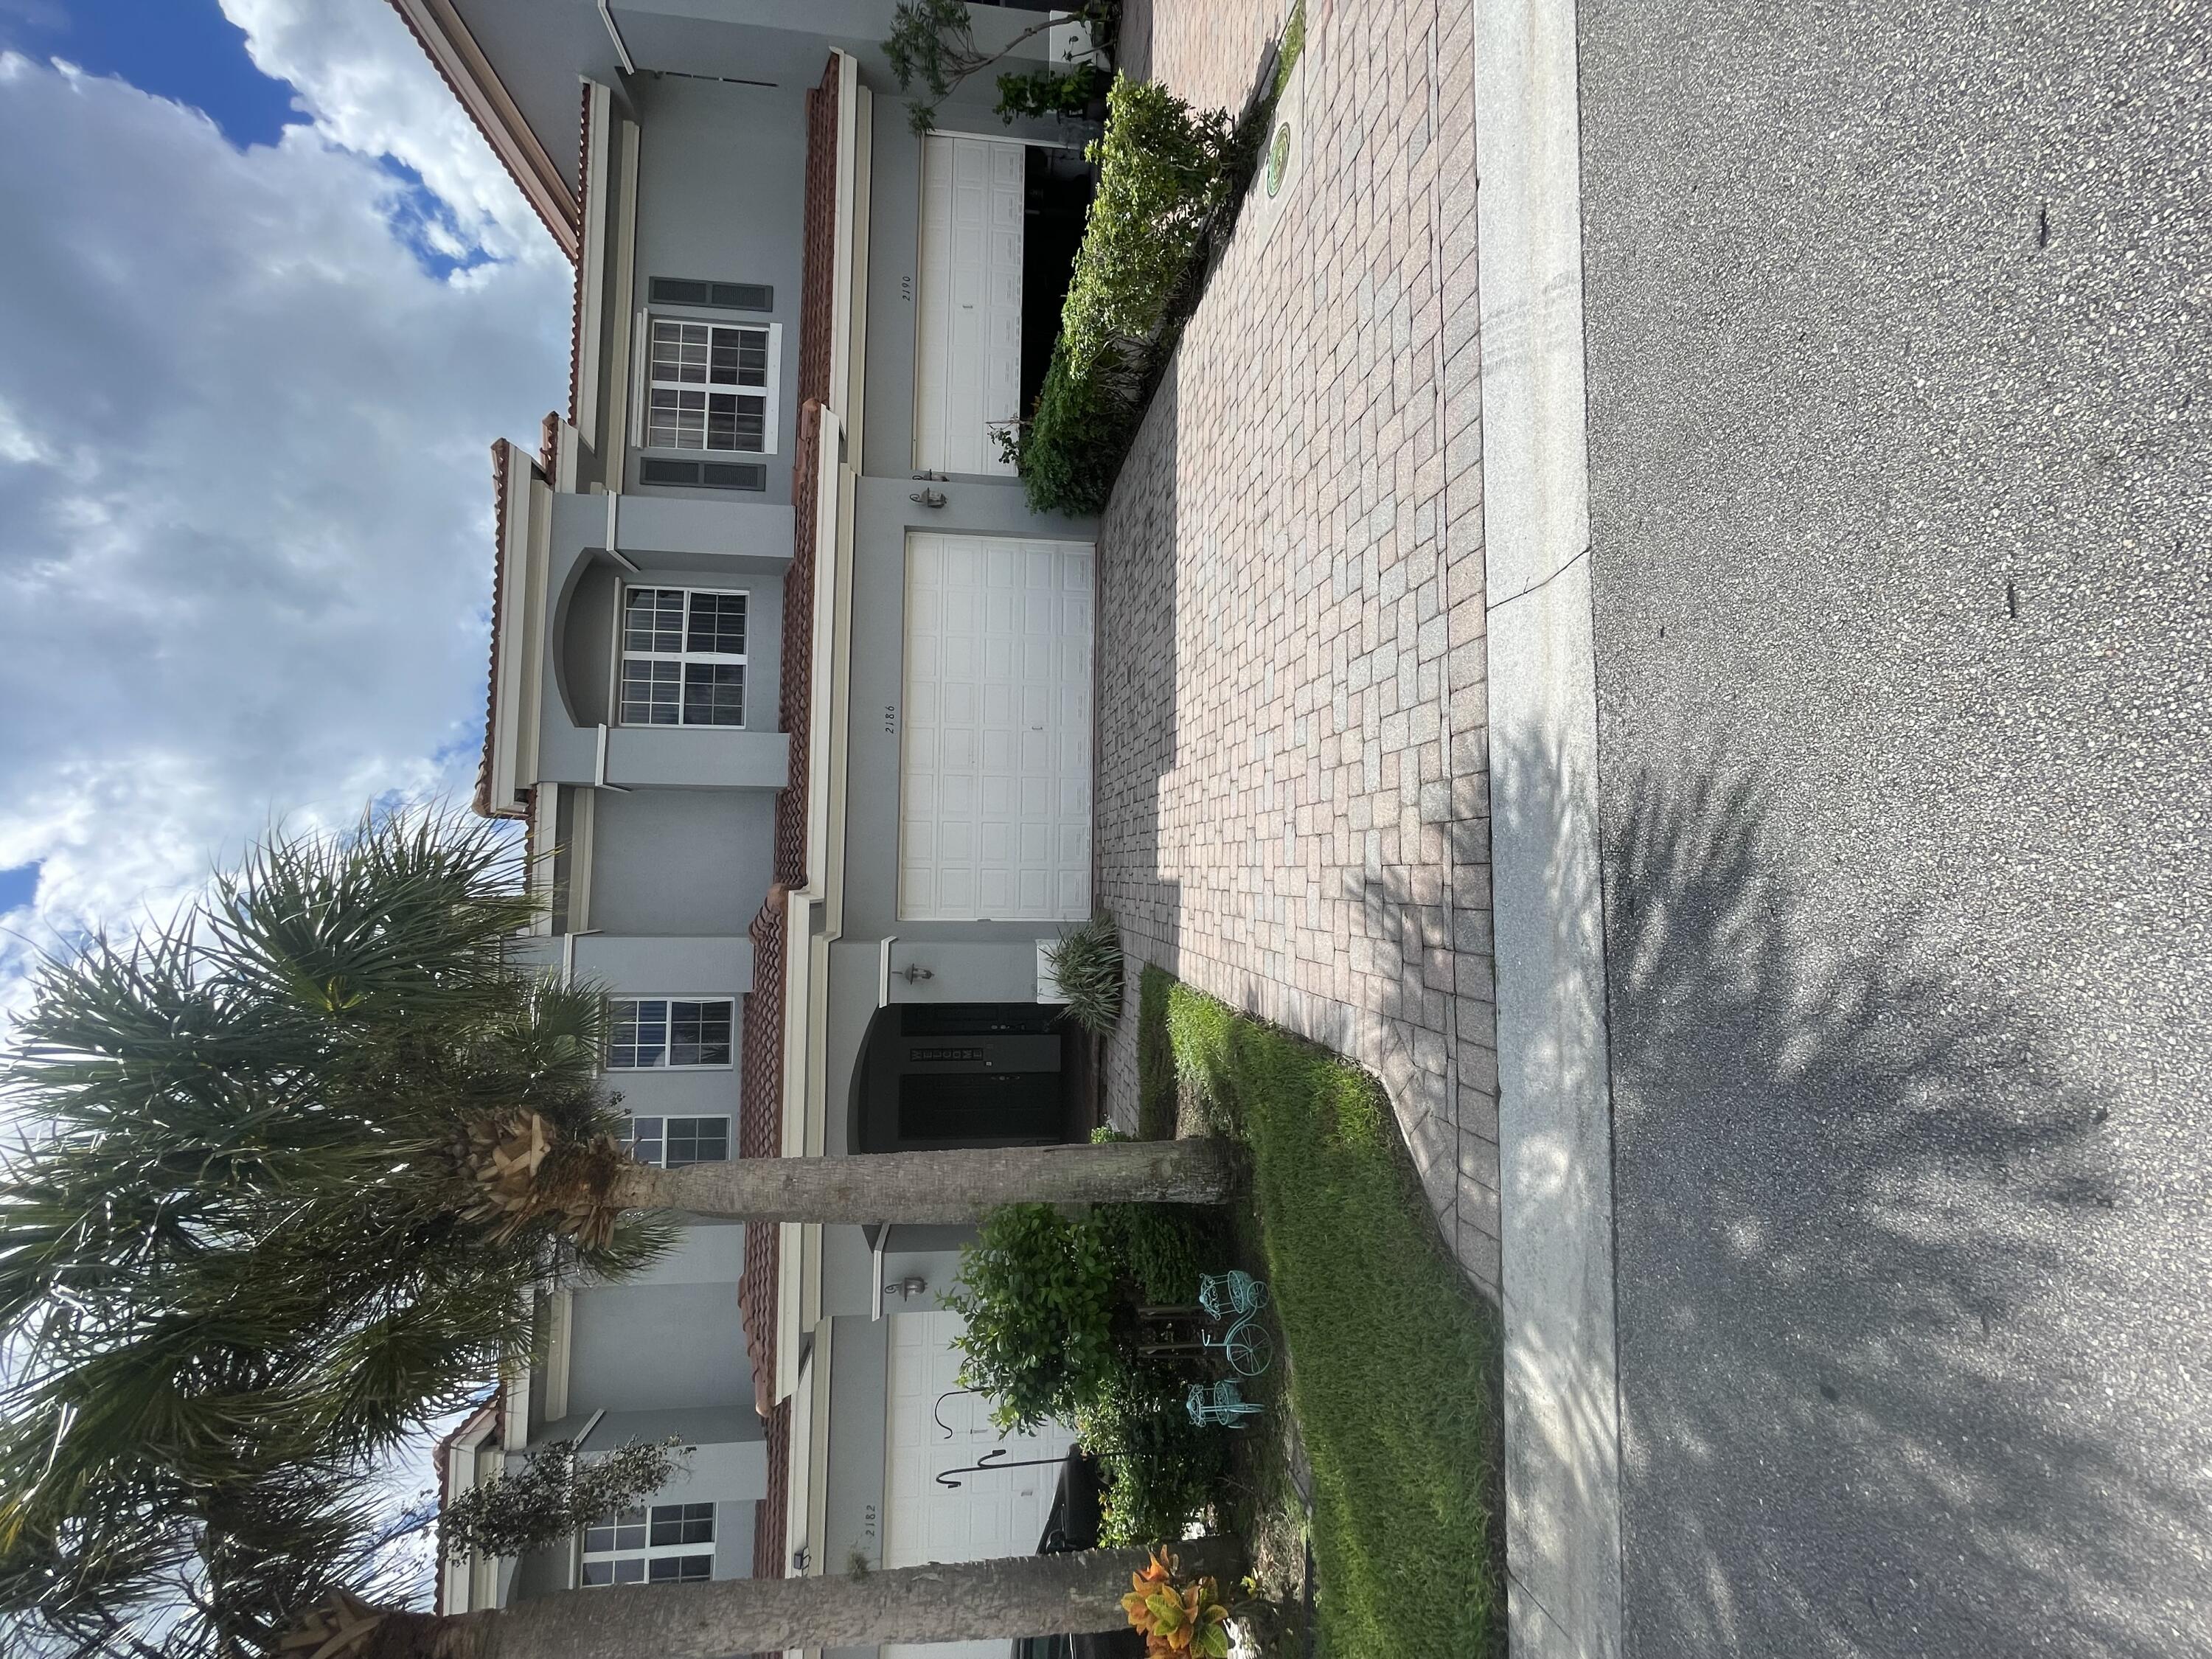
(640, 403)
(651, 1552)
(673, 997)
(727, 1121)
(623, 653)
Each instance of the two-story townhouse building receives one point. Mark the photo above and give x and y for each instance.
(795, 694)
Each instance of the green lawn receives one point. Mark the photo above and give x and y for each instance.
(1395, 1360)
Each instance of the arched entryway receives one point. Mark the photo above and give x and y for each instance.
(939, 1074)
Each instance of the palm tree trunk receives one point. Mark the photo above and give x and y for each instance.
(948, 1187)
(970, 1601)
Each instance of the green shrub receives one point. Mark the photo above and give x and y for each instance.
(1154, 1248)
(1163, 170)
(1040, 1290)
(1072, 445)
(1157, 1105)
(1086, 962)
(1158, 1469)
(1043, 93)
(1036, 1288)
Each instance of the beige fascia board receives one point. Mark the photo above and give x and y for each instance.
(583, 825)
(538, 562)
(820, 1365)
(801, 1020)
(470, 74)
(593, 267)
(856, 309)
(843, 232)
(527, 527)
(515, 1406)
(797, 1500)
(560, 1338)
(613, 440)
(831, 558)
(835, 734)
(458, 1579)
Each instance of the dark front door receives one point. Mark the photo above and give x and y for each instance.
(939, 1074)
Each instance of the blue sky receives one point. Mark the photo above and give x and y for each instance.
(269, 298)
(187, 50)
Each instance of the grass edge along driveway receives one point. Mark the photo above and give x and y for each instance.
(1394, 1358)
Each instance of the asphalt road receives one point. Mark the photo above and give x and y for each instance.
(1900, 340)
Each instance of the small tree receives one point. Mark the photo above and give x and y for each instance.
(553, 1496)
(933, 41)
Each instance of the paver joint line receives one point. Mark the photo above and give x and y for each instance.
(1291, 811)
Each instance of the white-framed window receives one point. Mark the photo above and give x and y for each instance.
(670, 1143)
(683, 657)
(659, 1546)
(711, 386)
(669, 1033)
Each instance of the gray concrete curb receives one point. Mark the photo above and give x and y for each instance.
(1554, 1118)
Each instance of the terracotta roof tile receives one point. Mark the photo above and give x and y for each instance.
(760, 1095)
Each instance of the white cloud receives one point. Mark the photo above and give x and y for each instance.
(370, 89)
(245, 487)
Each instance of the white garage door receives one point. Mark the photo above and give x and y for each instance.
(968, 347)
(991, 1513)
(994, 795)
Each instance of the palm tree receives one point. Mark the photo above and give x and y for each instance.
(1020, 1596)
(294, 1163)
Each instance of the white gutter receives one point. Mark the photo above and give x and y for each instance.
(622, 47)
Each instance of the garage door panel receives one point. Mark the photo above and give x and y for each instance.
(968, 318)
(1006, 711)
(999, 1514)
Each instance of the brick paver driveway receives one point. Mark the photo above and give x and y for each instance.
(1291, 789)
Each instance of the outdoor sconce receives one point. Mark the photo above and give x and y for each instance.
(928, 497)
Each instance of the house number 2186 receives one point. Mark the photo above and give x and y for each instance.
(891, 718)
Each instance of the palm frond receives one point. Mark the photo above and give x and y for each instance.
(237, 1265)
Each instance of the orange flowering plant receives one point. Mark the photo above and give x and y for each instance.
(1178, 1621)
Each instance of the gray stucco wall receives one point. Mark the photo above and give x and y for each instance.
(710, 1092)
(587, 645)
(539, 50)
(675, 544)
(648, 1348)
(859, 1375)
(715, 1426)
(721, 189)
(733, 1537)
(718, 965)
(684, 862)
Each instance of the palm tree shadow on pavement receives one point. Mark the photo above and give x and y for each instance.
(1846, 1180)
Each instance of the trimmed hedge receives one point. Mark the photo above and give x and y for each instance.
(1164, 172)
